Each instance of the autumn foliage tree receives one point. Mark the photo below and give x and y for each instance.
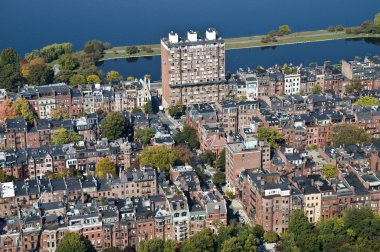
(7, 111)
(104, 167)
(24, 110)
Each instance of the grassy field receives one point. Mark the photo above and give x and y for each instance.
(246, 42)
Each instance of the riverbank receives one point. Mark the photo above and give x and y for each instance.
(119, 52)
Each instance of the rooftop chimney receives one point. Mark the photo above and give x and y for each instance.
(173, 37)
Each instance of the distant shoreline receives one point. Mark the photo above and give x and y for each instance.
(119, 52)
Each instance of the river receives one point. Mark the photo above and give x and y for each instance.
(27, 25)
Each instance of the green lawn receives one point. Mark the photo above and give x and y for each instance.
(247, 42)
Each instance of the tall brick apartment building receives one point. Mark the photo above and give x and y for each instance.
(193, 67)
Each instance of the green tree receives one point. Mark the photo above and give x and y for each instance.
(207, 157)
(93, 79)
(220, 163)
(63, 136)
(130, 78)
(9, 56)
(113, 249)
(219, 178)
(331, 28)
(54, 51)
(114, 77)
(77, 79)
(329, 170)
(271, 135)
(68, 62)
(131, 50)
(284, 30)
(113, 127)
(339, 28)
(316, 89)
(24, 110)
(176, 110)
(299, 224)
(40, 74)
(355, 85)
(10, 78)
(376, 21)
(71, 242)
(271, 236)
(233, 244)
(5, 178)
(95, 48)
(103, 167)
(157, 245)
(161, 157)
(349, 134)
(203, 241)
(187, 136)
(367, 101)
(144, 135)
(148, 107)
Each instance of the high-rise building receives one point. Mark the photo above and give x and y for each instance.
(193, 68)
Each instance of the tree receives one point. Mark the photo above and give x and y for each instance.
(367, 101)
(376, 21)
(161, 157)
(220, 163)
(77, 79)
(187, 136)
(10, 78)
(355, 85)
(113, 127)
(114, 77)
(130, 78)
(5, 178)
(176, 110)
(219, 178)
(203, 241)
(349, 134)
(71, 242)
(148, 76)
(182, 155)
(68, 62)
(157, 245)
(271, 135)
(93, 79)
(39, 73)
(23, 110)
(284, 30)
(207, 157)
(271, 236)
(95, 48)
(316, 89)
(233, 244)
(59, 113)
(144, 135)
(331, 28)
(131, 50)
(148, 107)
(339, 28)
(113, 249)
(7, 111)
(9, 56)
(63, 136)
(104, 167)
(54, 51)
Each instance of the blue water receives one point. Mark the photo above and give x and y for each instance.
(31, 24)
(296, 54)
